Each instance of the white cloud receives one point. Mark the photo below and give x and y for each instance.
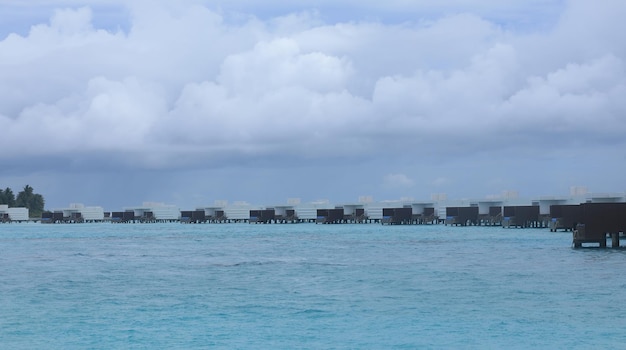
(183, 77)
(579, 98)
(280, 64)
(187, 83)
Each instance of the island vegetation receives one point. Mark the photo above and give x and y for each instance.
(26, 198)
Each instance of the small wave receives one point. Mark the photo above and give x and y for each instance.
(310, 312)
(276, 262)
(248, 263)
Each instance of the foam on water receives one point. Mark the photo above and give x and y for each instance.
(305, 286)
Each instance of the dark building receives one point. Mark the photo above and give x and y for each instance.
(492, 218)
(214, 215)
(286, 215)
(462, 216)
(397, 216)
(564, 216)
(523, 216)
(75, 217)
(145, 217)
(219, 216)
(262, 216)
(193, 217)
(46, 217)
(428, 216)
(354, 214)
(58, 217)
(330, 216)
(122, 216)
(599, 219)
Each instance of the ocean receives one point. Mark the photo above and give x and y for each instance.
(305, 286)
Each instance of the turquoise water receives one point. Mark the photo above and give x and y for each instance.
(239, 286)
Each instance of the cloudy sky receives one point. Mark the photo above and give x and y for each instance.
(114, 103)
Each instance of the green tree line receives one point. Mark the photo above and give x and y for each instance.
(26, 198)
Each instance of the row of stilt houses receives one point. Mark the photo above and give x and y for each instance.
(591, 217)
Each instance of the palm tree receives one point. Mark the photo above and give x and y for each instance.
(33, 201)
(7, 197)
(24, 197)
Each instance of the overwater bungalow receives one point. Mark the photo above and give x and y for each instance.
(597, 220)
(330, 216)
(215, 214)
(424, 213)
(354, 213)
(123, 216)
(461, 216)
(286, 214)
(523, 216)
(8, 215)
(397, 216)
(262, 216)
(490, 212)
(565, 216)
(307, 212)
(151, 212)
(193, 216)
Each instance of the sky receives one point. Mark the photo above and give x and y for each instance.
(114, 103)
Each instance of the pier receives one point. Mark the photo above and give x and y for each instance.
(591, 219)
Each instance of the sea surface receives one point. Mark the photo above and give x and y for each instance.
(306, 286)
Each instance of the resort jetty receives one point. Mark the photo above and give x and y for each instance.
(592, 218)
